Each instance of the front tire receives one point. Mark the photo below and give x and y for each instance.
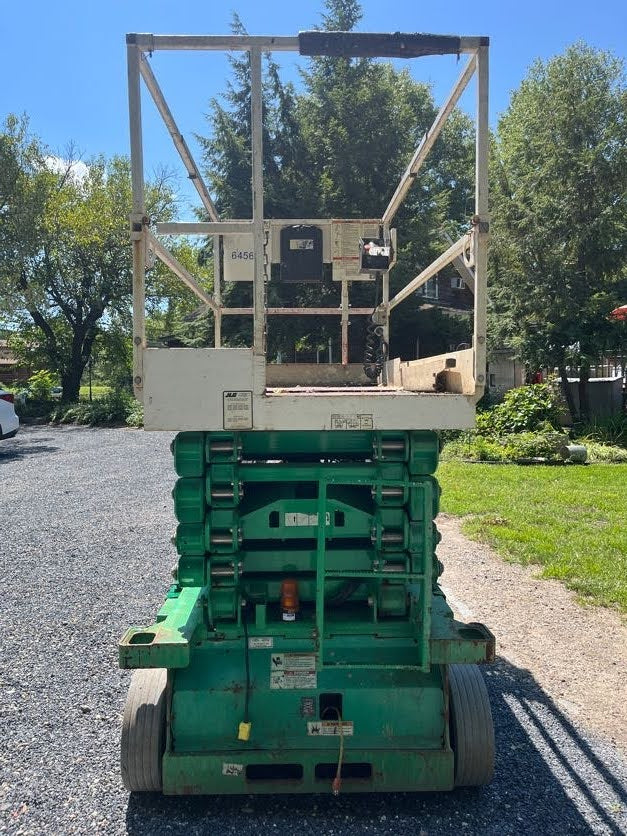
(471, 726)
(143, 731)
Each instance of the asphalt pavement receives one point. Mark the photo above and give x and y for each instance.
(85, 526)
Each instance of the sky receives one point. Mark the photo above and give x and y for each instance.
(64, 63)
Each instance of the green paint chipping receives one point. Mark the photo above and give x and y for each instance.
(570, 520)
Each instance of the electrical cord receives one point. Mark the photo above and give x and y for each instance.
(337, 781)
(376, 350)
(247, 663)
(244, 728)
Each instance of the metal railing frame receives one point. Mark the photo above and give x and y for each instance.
(468, 254)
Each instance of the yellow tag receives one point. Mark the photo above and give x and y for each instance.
(243, 732)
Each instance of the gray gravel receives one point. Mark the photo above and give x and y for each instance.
(85, 523)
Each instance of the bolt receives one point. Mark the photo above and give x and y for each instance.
(137, 340)
(481, 340)
(137, 379)
(481, 378)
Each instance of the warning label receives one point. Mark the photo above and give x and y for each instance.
(237, 410)
(293, 670)
(352, 422)
(232, 768)
(330, 728)
(257, 642)
(296, 520)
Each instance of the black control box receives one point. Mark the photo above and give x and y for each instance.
(301, 254)
(375, 255)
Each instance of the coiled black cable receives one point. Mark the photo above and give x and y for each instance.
(376, 351)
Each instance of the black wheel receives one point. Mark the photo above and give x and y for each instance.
(472, 730)
(143, 731)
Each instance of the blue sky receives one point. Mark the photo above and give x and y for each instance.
(64, 63)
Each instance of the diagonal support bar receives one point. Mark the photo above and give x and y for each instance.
(184, 275)
(177, 137)
(453, 252)
(428, 140)
(462, 268)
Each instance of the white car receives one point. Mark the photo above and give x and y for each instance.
(9, 422)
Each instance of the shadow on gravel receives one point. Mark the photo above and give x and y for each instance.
(20, 447)
(549, 779)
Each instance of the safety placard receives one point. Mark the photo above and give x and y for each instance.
(330, 728)
(293, 670)
(352, 422)
(345, 248)
(237, 410)
(297, 520)
(258, 642)
(232, 768)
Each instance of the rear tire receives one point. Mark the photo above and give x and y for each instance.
(471, 726)
(143, 731)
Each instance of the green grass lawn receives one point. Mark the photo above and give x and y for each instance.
(572, 520)
(97, 391)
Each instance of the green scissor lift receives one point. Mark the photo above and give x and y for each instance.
(373, 662)
(305, 644)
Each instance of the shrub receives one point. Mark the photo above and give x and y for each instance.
(531, 408)
(515, 447)
(40, 385)
(112, 408)
(611, 430)
(474, 448)
(548, 446)
(27, 408)
(135, 415)
(599, 453)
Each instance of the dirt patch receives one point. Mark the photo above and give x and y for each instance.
(578, 654)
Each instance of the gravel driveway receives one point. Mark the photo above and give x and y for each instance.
(85, 526)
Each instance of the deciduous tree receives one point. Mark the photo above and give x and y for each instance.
(559, 209)
(65, 263)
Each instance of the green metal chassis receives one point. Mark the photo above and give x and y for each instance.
(381, 656)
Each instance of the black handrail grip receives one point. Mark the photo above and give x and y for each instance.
(379, 45)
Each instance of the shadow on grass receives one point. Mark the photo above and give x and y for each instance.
(549, 779)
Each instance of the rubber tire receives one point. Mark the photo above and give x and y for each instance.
(143, 731)
(471, 726)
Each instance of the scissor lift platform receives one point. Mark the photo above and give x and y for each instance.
(306, 643)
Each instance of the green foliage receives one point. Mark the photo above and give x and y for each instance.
(524, 409)
(515, 447)
(65, 260)
(27, 408)
(97, 391)
(135, 415)
(472, 447)
(598, 453)
(525, 446)
(558, 204)
(112, 409)
(337, 149)
(40, 385)
(112, 353)
(174, 315)
(611, 430)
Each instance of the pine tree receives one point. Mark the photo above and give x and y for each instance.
(337, 149)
